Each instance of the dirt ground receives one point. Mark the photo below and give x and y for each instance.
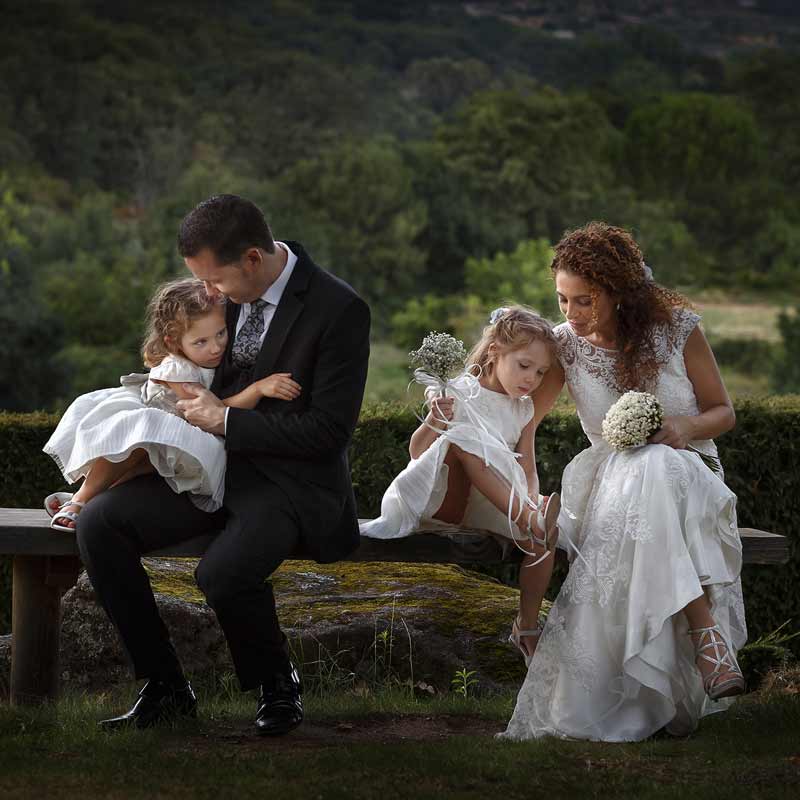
(241, 736)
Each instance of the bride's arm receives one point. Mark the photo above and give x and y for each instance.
(716, 410)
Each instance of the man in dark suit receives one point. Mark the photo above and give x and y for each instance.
(287, 487)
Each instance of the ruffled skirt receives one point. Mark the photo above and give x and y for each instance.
(112, 423)
(416, 494)
(653, 528)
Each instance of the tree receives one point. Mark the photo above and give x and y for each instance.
(786, 373)
(533, 160)
(522, 276)
(354, 206)
(703, 154)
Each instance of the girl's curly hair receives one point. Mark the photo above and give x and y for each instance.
(174, 306)
(610, 259)
(513, 327)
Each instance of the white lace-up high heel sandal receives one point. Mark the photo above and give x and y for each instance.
(726, 679)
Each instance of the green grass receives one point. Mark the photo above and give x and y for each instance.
(729, 318)
(354, 747)
(389, 376)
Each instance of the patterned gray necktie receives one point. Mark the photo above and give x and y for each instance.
(248, 340)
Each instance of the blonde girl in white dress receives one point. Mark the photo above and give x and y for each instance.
(473, 462)
(644, 632)
(112, 435)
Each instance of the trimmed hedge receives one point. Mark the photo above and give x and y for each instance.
(761, 457)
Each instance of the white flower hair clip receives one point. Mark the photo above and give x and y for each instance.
(648, 273)
(497, 313)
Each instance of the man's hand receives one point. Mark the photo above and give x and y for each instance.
(204, 409)
(674, 432)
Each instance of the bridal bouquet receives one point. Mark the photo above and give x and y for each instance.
(634, 418)
(439, 356)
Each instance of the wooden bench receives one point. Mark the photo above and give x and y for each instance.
(46, 565)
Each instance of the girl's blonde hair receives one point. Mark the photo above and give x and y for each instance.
(511, 328)
(172, 309)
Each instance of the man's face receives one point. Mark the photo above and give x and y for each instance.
(238, 281)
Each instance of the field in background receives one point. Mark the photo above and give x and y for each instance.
(723, 319)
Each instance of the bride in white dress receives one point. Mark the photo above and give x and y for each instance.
(644, 632)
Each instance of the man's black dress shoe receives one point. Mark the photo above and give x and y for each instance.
(280, 706)
(157, 703)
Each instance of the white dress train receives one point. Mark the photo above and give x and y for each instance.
(142, 414)
(653, 527)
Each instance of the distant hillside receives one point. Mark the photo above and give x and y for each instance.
(713, 27)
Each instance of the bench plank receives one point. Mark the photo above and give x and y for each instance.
(26, 532)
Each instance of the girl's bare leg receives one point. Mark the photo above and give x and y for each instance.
(100, 477)
(455, 501)
(144, 467)
(466, 470)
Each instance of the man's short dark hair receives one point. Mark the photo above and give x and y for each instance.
(227, 225)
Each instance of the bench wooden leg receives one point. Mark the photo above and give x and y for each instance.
(39, 583)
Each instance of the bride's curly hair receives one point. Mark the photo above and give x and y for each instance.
(172, 309)
(609, 258)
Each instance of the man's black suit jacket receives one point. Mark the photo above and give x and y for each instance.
(320, 334)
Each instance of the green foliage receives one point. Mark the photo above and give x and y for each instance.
(534, 160)
(747, 356)
(359, 200)
(786, 371)
(463, 681)
(705, 155)
(399, 145)
(522, 276)
(460, 315)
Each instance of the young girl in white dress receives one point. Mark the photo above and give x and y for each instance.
(473, 463)
(644, 632)
(112, 435)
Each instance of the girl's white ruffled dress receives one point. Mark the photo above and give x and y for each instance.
(654, 527)
(485, 423)
(112, 423)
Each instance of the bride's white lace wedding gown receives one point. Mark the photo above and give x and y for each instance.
(653, 527)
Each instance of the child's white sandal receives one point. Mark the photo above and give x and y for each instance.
(72, 516)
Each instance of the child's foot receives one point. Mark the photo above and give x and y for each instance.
(55, 501)
(525, 638)
(66, 517)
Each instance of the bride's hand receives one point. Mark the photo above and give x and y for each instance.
(674, 432)
(441, 412)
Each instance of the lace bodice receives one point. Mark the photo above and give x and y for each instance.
(590, 375)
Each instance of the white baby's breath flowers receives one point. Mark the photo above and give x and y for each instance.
(632, 420)
(440, 355)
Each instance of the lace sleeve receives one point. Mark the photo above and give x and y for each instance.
(684, 322)
(566, 349)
